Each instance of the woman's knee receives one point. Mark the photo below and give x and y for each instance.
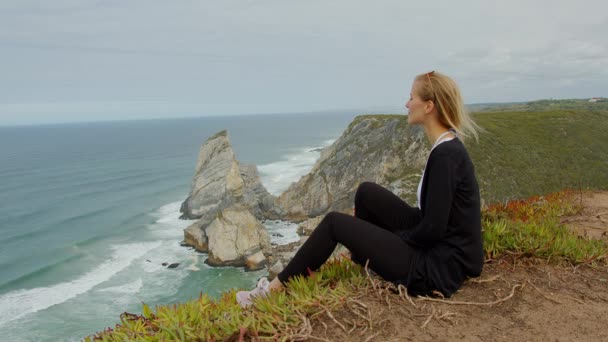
(331, 216)
(331, 221)
(363, 189)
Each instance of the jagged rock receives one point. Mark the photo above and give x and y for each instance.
(220, 181)
(255, 195)
(217, 181)
(173, 265)
(377, 148)
(233, 235)
(165, 263)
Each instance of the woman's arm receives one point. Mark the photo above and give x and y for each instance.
(438, 197)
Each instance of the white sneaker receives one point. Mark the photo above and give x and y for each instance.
(244, 297)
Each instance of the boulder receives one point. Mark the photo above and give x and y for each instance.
(255, 261)
(196, 237)
(275, 269)
(234, 235)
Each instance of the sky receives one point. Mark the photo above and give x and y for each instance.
(91, 60)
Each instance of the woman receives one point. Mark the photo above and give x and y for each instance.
(432, 247)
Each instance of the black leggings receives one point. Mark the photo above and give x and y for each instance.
(370, 234)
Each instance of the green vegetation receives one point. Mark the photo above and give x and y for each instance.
(521, 154)
(543, 105)
(532, 227)
(375, 124)
(276, 317)
(527, 228)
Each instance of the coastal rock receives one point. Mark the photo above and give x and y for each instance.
(255, 195)
(196, 237)
(234, 235)
(255, 261)
(380, 148)
(173, 265)
(220, 181)
(216, 182)
(275, 269)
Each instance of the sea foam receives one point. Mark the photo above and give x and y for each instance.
(16, 304)
(277, 176)
(133, 287)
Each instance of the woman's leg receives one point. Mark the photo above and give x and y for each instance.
(378, 205)
(389, 256)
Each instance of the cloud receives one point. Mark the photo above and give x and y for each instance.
(257, 56)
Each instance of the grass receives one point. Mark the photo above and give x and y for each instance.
(532, 227)
(521, 154)
(278, 316)
(526, 228)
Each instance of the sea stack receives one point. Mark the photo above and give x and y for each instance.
(227, 199)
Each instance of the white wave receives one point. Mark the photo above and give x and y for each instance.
(277, 176)
(193, 265)
(328, 142)
(133, 287)
(169, 208)
(168, 224)
(16, 304)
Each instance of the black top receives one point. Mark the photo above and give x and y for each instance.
(448, 238)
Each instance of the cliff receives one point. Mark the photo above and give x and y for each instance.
(377, 148)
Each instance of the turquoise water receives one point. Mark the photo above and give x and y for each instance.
(89, 212)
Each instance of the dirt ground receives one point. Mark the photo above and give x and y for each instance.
(593, 221)
(513, 300)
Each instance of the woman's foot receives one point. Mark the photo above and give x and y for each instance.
(244, 298)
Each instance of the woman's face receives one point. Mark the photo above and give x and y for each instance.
(416, 107)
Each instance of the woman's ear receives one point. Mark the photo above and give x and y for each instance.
(429, 106)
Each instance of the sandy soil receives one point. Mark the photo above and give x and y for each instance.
(593, 221)
(513, 300)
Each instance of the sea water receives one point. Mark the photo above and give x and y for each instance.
(89, 212)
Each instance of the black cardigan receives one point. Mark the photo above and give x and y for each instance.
(447, 240)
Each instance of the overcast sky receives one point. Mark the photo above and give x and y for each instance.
(84, 60)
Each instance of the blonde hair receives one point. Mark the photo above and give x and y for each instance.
(445, 94)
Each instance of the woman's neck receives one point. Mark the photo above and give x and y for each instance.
(433, 131)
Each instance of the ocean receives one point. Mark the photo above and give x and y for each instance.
(89, 212)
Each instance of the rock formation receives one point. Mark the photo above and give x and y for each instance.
(255, 195)
(220, 181)
(236, 238)
(378, 148)
(233, 238)
(227, 198)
